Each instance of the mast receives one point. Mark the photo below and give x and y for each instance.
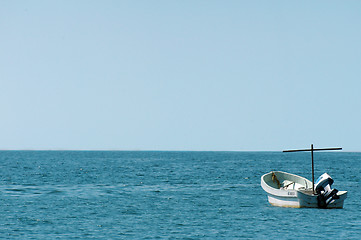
(313, 171)
(312, 150)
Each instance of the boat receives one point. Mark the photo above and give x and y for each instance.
(290, 190)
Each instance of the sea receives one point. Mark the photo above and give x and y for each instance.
(168, 195)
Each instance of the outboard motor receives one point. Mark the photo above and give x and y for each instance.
(326, 194)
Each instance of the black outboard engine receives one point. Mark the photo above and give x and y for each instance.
(326, 194)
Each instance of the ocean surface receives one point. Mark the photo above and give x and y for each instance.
(168, 195)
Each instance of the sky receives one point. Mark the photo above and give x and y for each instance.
(180, 75)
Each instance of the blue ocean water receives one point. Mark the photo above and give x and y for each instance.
(167, 195)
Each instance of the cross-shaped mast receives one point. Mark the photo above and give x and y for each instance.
(312, 150)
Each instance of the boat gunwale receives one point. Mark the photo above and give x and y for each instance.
(279, 191)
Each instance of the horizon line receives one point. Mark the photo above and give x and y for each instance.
(148, 150)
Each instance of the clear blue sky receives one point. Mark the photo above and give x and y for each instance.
(180, 75)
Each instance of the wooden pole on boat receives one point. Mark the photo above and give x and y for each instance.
(315, 149)
(313, 171)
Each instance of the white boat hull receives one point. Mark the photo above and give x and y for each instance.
(296, 195)
(283, 201)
